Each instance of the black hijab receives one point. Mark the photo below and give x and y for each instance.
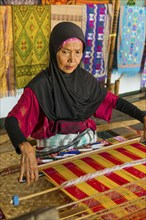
(72, 97)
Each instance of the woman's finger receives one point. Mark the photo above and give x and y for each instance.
(36, 174)
(27, 171)
(22, 168)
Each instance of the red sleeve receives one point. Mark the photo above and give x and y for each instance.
(104, 111)
(26, 111)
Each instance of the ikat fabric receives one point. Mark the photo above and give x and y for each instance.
(92, 1)
(61, 13)
(131, 39)
(73, 2)
(133, 2)
(143, 80)
(94, 23)
(31, 39)
(58, 2)
(7, 85)
(21, 2)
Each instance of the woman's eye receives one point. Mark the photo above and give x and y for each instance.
(65, 52)
(78, 52)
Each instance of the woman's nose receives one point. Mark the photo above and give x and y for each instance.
(72, 57)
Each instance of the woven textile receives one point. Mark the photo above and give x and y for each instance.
(69, 2)
(131, 39)
(112, 41)
(21, 2)
(115, 188)
(94, 25)
(7, 86)
(31, 37)
(92, 1)
(143, 80)
(58, 2)
(133, 2)
(61, 142)
(61, 13)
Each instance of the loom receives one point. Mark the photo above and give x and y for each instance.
(107, 183)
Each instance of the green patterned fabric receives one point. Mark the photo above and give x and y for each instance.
(31, 25)
(133, 2)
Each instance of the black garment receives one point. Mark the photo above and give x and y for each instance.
(16, 136)
(128, 108)
(73, 97)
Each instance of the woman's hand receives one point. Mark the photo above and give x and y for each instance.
(29, 167)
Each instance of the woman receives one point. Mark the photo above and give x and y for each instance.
(61, 99)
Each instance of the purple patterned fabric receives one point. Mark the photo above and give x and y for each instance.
(94, 34)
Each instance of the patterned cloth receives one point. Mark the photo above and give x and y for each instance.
(131, 39)
(94, 27)
(21, 2)
(7, 85)
(115, 190)
(143, 81)
(71, 13)
(58, 2)
(133, 2)
(92, 1)
(73, 2)
(61, 141)
(31, 37)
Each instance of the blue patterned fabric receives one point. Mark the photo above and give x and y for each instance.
(133, 2)
(131, 39)
(93, 59)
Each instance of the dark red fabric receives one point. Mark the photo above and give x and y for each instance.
(34, 123)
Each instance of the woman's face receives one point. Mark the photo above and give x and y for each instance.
(69, 56)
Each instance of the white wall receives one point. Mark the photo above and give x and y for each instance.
(7, 103)
(127, 84)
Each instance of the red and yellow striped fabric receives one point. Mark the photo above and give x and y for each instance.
(113, 189)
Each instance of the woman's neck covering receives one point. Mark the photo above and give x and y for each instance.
(72, 97)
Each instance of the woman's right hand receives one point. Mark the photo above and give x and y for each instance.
(28, 164)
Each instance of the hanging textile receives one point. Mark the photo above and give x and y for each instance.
(106, 40)
(131, 39)
(61, 13)
(92, 1)
(58, 2)
(143, 80)
(133, 2)
(31, 37)
(21, 2)
(7, 85)
(94, 22)
(112, 41)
